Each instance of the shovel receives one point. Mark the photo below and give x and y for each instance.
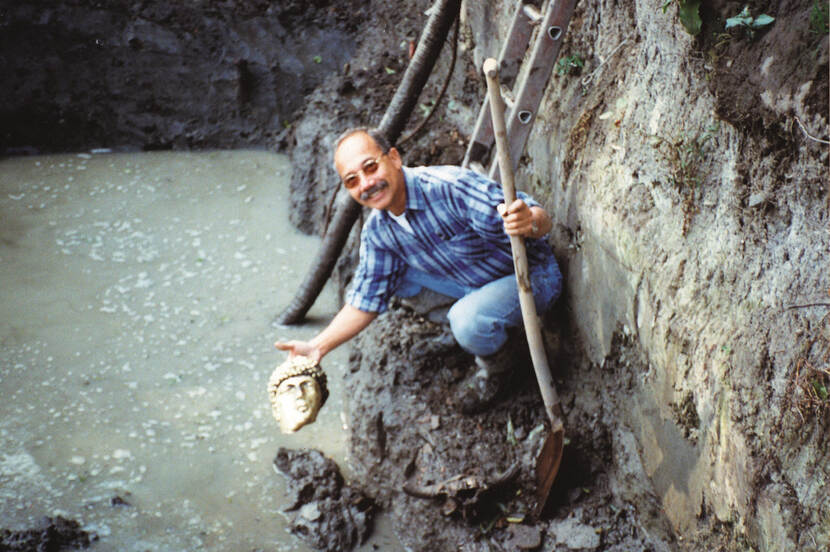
(547, 465)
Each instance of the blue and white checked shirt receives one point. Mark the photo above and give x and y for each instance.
(458, 234)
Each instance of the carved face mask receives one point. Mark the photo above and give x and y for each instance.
(298, 401)
(297, 390)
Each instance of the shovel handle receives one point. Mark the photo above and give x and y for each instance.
(528, 306)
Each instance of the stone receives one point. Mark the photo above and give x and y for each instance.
(524, 537)
(323, 510)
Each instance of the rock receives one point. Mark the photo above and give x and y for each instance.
(52, 534)
(575, 535)
(325, 512)
(524, 537)
(756, 199)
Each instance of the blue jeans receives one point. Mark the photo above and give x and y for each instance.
(481, 317)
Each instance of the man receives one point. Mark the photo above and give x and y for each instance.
(446, 229)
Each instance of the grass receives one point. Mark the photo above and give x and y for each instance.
(687, 156)
(818, 17)
(570, 65)
(810, 384)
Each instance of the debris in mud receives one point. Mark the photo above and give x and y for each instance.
(465, 495)
(323, 511)
(52, 535)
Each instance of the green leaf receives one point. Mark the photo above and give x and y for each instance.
(821, 390)
(689, 14)
(762, 20)
(511, 433)
(390, 71)
(317, 59)
(742, 18)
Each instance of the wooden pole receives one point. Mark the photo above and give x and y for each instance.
(528, 306)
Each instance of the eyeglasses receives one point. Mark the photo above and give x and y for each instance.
(370, 166)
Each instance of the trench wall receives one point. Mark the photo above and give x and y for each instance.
(122, 75)
(698, 273)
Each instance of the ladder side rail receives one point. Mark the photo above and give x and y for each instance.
(510, 59)
(533, 82)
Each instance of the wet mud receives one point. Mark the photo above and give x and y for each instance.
(52, 535)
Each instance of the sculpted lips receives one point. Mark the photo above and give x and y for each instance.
(379, 187)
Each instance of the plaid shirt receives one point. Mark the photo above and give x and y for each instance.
(458, 234)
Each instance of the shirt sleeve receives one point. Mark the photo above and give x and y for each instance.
(476, 197)
(377, 276)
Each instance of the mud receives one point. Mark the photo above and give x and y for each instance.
(150, 75)
(52, 535)
(411, 434)
(325, 512)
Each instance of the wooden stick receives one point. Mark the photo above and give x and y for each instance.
(528, 306)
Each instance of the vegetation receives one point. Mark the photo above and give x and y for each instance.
(750, 24)
(570, 65)
(810, 385)
(818, 17)
(689, 13)
(687, 155)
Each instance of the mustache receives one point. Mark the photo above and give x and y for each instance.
(375, 188)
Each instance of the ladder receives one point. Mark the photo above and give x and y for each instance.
(531, 78)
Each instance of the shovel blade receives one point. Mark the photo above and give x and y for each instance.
(547, 466)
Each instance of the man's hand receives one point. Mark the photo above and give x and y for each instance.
(524, 221)
(300, 348)
(344, 326)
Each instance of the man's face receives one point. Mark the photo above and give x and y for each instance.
(373, 179)
(299, 401)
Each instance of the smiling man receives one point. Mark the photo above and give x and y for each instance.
(446, 229)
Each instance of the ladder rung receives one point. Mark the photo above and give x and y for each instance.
(508, 98)
(532, 13)
(478, 167)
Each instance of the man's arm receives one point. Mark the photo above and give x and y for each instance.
(345, 325)
(522, 220)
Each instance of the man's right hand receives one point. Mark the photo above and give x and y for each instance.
(300, 348)
(347, 323)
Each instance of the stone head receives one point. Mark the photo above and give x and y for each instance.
(297, 390)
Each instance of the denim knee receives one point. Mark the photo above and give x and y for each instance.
(475, 332)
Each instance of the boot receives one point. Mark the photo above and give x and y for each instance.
(481, 389)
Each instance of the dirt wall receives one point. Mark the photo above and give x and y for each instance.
(80, 74)
(691, 209)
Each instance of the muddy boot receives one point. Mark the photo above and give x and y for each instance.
(481, 389)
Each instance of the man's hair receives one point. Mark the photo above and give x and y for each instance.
(373, 132)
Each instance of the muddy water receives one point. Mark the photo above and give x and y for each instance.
(135, 320)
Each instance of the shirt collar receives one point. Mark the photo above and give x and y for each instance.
(415, 198)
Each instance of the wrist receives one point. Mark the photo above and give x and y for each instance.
(318, 348)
